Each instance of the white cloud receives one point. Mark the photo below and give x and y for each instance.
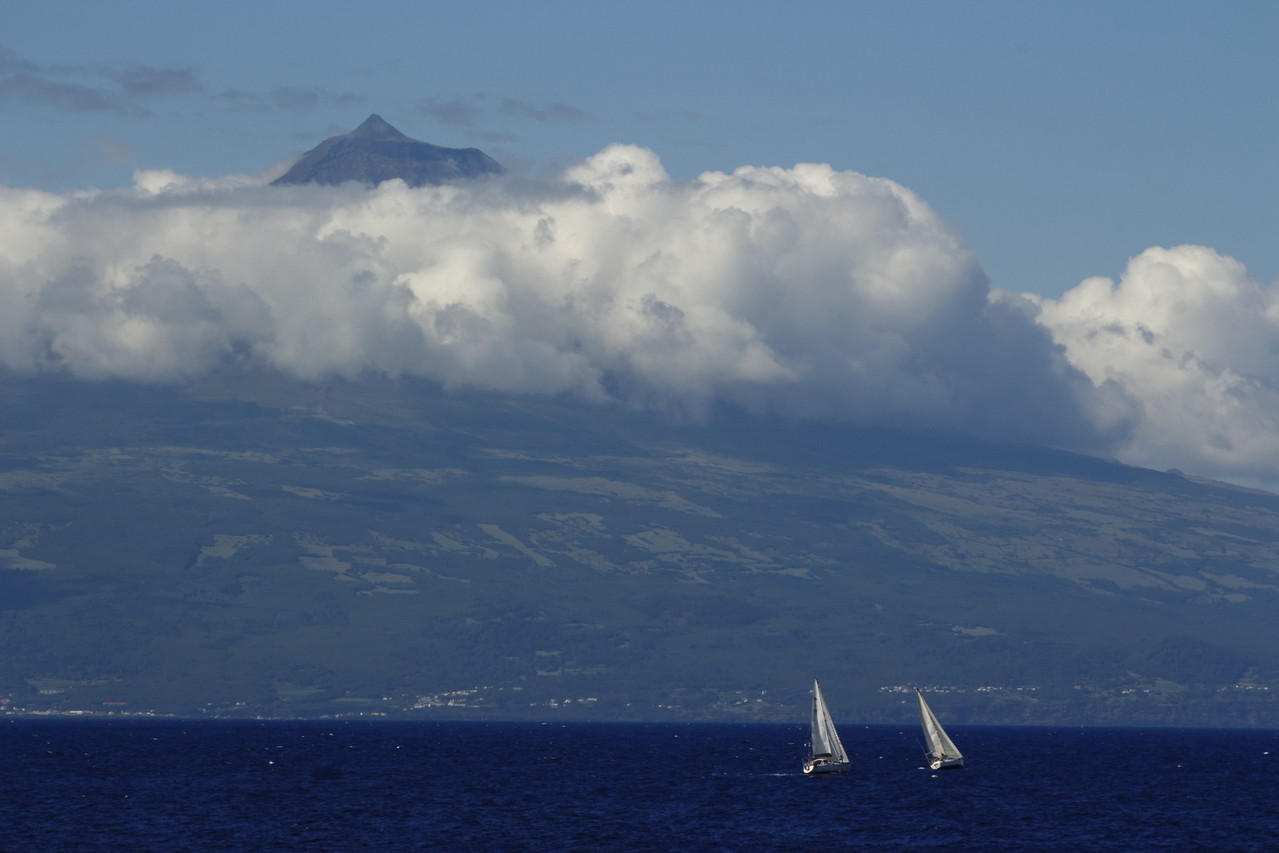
(1193, 340)
(804, 291)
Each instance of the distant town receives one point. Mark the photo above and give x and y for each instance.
(506, 702)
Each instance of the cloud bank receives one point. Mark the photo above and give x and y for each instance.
(1193, 341)
(804, 292)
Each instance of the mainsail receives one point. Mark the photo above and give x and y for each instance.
(940, 746)
(825, 740)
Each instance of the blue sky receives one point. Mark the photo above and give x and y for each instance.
(1060, 139)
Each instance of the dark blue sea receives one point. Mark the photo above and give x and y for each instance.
(132, 785)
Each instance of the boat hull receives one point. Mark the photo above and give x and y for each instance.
(946, 764)
(812, 768)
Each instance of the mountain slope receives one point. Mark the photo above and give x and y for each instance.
(375, 152)
(255, 544)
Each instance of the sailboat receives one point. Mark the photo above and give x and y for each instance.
(942, 752)
(825, 752)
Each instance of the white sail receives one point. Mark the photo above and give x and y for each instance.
(825, 740)
(940, 746)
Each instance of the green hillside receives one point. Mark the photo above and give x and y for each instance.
(250, 545)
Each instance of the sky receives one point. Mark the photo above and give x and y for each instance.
(1045, 222)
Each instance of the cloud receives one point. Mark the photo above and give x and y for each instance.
(552, 112)
(110, 150)
(454, 112)
(75, 97)
(471, 111)
(12, 63)
(149, 81)
(804, 292)
(129, 89)
(286, 99)
(1193, 340)
(97, 89)
(133, 90)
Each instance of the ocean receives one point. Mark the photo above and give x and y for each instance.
(176, 785)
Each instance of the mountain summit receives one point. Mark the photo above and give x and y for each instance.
(375, 152)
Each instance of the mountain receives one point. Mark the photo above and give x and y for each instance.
(251, 544)
(375, 152)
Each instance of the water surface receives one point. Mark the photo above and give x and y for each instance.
(135, 785)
